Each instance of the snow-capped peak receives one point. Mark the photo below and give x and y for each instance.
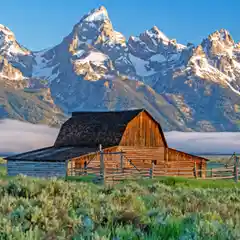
(6, 35)
(99, 14)
(222, 36)
(8, 45)
(156, 33)
(5, 30)
(224, 33)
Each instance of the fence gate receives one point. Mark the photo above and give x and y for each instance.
(115, 166)
(112, 160)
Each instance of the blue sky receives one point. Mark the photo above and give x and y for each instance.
(40, 24)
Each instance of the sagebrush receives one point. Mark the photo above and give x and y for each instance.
(56, 209)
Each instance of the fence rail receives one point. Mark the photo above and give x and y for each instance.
(118, 174)
(106, 173)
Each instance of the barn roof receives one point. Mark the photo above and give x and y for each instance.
(94, 128)
(52, 154)
(82, 134)
(195, 156)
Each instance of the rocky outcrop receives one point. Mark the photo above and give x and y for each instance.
(8, 71)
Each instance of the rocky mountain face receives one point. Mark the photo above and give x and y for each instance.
(95, 67)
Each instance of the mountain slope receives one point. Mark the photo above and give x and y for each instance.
(95, 67)
(23, 97)
(17, 101)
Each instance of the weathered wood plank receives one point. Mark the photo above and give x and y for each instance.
(138, 132)
(36, 169)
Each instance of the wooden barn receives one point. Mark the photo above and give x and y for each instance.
(129, 139)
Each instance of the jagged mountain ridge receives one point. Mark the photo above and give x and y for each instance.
(96, 67)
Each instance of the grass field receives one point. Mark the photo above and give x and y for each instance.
(163, 208)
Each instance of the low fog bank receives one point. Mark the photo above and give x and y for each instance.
(204, 142)
(16, 137)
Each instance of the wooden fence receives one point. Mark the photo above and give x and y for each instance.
(106, 174)
(230, 172)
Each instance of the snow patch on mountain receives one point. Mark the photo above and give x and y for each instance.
(205, 70)
(96, 58)
(141, 66)
(42, 68)
(158, 58)
(174, 57)
(79, 53)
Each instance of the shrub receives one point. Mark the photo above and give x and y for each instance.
(160, 209)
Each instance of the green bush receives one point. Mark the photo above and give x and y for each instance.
(159, 209)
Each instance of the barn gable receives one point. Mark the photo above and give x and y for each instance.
(107, 128)
(143, 131)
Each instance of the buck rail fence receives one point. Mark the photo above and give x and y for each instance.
(105, 174)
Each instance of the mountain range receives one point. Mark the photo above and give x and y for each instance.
(186, 88)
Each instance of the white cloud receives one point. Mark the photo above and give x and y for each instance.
(16, 136)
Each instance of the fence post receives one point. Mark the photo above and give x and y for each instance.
(195, 169)
(121, 159)
(102, 167)
(200, 166)
(152, 170)
(71, 167)
(66, 168)
(211, 173)
(85, 167)
(236, 169)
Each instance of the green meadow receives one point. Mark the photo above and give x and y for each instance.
(75, 208)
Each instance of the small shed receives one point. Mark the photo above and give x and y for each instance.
(44, 162)
(135, 133)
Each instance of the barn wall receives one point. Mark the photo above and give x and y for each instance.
(36, 169)
(143, 157)
(142, 131)
(178, 160)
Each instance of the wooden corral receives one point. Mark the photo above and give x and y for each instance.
(129, 139)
